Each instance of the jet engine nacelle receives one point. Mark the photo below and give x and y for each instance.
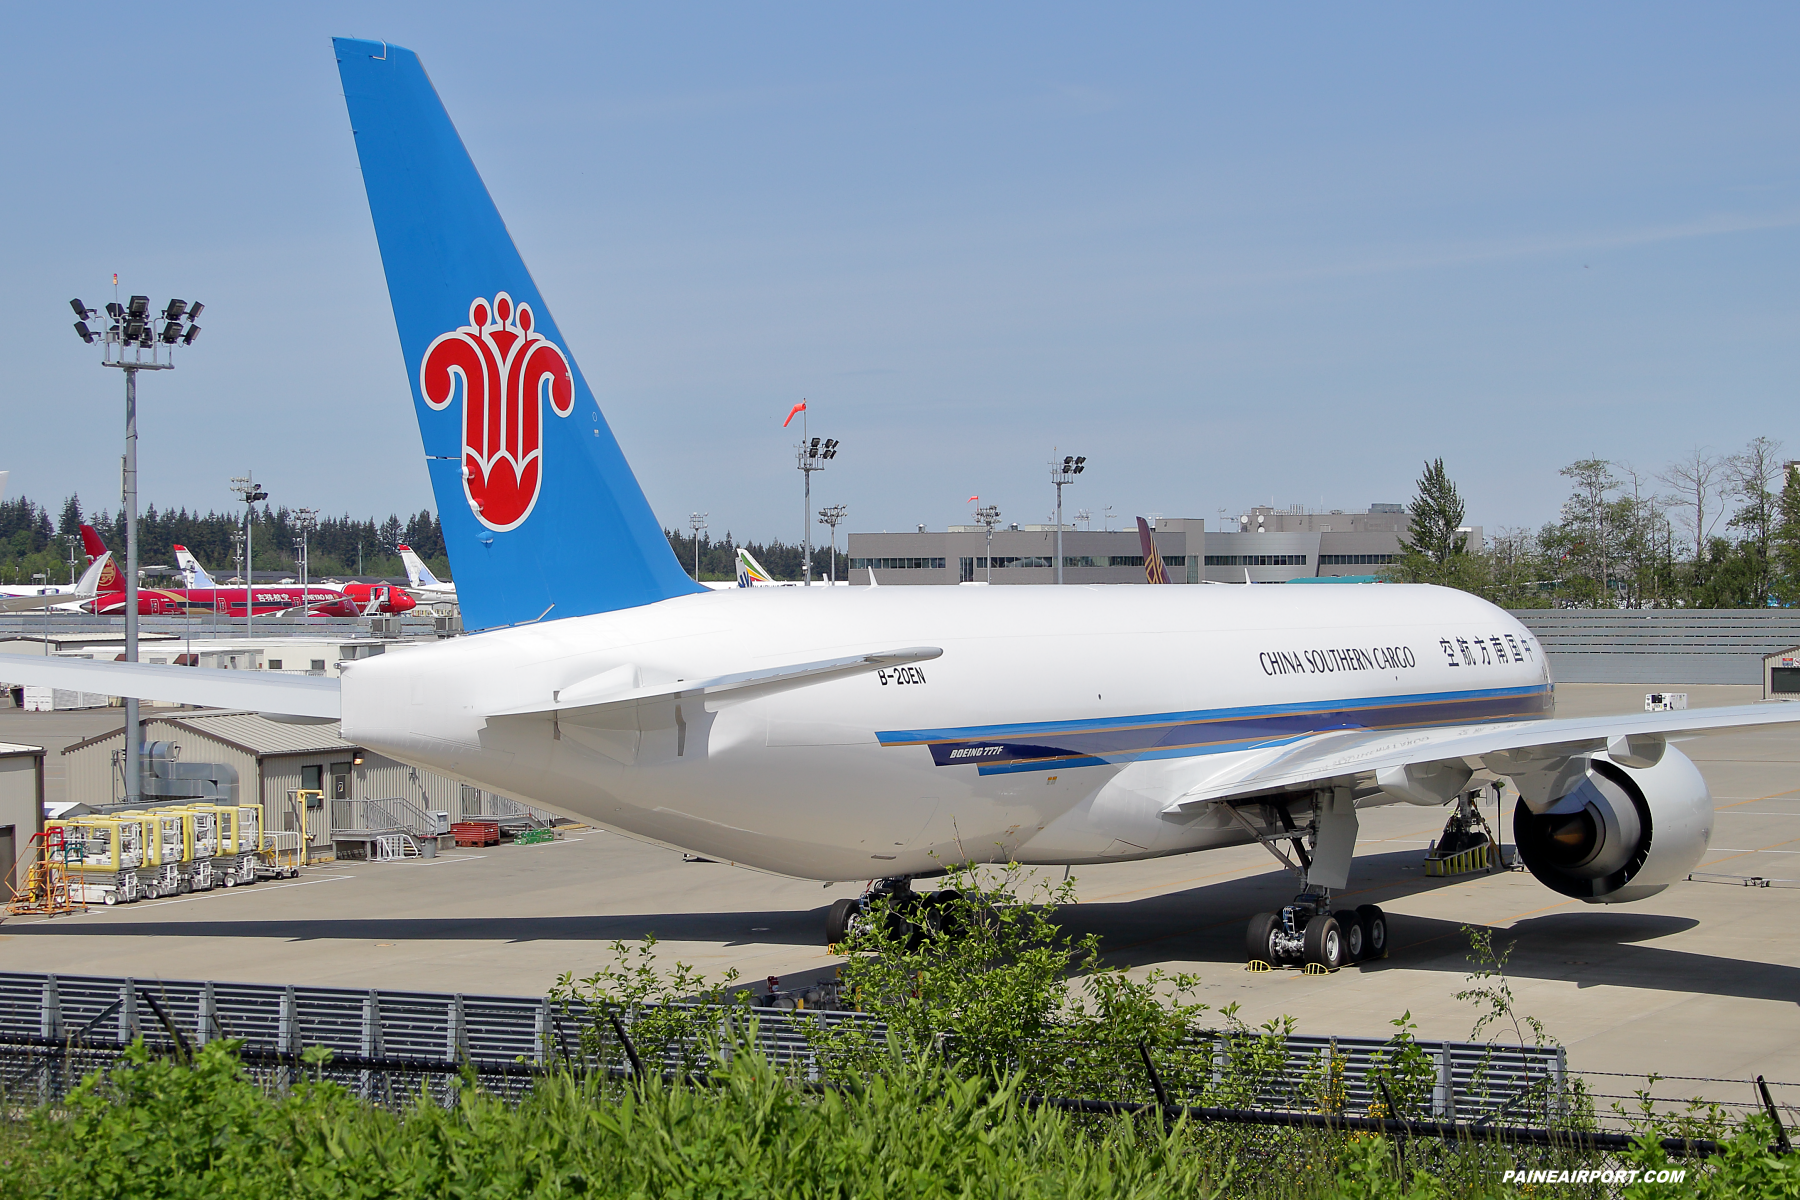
(1621, 833)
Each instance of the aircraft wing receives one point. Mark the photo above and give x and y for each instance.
(84, 590)
(1334, 757)
(615, 693)
(31, 603)
(309, 696)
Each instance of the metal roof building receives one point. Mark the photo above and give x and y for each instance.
(273, 759)
(1329, 546)
(21, 806)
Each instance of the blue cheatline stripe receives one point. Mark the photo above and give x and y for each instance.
(913, 737)
(999, 749)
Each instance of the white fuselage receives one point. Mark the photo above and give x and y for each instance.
(1057, 726)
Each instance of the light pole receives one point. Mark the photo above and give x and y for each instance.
(250, 492)
(131, 331)
(1061, 473)
(73, 540)
(44, 577)
(988, 515)
(811, 456)
(305, 520)
(831, 516)
(237, 556)
(697, 523)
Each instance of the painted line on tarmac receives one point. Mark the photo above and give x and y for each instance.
(1730, 854)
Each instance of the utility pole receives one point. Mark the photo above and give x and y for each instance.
(697, 523)
(831, 516)
(1061, 474)
(988, 515)
(132, 330)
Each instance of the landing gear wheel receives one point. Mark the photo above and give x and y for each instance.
(1355, 940)
(1375, 931)
(1324, 943)
(837, 921)
(943, 914)
(1259, 939)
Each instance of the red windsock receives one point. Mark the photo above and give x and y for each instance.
(794, 412)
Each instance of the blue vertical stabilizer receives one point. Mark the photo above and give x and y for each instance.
(541, 514)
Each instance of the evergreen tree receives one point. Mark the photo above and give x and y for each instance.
(1433, 550)
(1786, 541)
(70, 524)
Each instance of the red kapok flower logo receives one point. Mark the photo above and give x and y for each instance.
(507, 374)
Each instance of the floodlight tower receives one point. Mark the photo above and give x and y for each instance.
(832, 516)
(135, 339)
(988, 515)
(1063, 472)
(305, 520)
(811, 456)
(697, 523)
(249, 491)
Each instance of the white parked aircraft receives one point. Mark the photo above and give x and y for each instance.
(421, 582)
(842, 733)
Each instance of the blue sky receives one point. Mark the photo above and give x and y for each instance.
(1231, 256)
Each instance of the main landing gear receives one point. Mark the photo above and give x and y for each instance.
(1308, 931)
(911, 915)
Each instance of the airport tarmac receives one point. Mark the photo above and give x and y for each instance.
(1702, 980)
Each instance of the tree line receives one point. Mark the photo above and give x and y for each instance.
(36, 539)
(718, 559)
(33, 541)
(1708, 530)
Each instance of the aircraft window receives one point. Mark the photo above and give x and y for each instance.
(902, 564)
(1256, 560)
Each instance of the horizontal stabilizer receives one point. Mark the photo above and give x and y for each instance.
(1355, 753)
(259, 691)
(615, 689)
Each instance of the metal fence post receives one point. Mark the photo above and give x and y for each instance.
(287, 1034)
(371, 1040)
(50, 1020)
(1560, 1077)
(206, 1028)
(128, 1014)
(542, 1033)
(1443, 1099)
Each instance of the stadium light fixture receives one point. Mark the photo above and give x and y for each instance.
(697, 523)
(989, 515)
(811, 456)
(1061, 475)
(249, 492)
(130, 332)
(832, 516)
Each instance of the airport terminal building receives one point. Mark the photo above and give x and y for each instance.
(1265, 545)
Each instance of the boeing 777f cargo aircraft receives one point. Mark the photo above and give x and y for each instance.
(844, 733)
